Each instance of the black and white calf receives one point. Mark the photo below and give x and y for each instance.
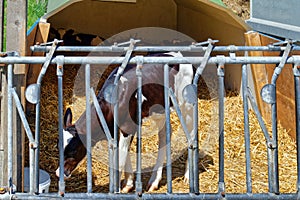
(153, 95)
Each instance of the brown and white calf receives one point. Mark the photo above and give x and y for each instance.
(153, 95)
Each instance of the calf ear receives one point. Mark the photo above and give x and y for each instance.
(68, 117)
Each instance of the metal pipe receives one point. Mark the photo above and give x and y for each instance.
(9, 126)
(183, 196)
(168, 128)
(88, 129)
(297, 111)
(179, 114)
(150, 60)
(49, 56)
(220, 72)
(138, 183)
(59, 73)
(109, 138)
(246, 128)
(116, 143)
(190, 48)
(258, 116)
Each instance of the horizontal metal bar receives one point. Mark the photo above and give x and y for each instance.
(150, 60)
(190, 48)
(263, 196)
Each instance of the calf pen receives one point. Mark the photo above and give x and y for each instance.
(268, 95)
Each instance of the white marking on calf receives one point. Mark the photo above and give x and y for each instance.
(67, 137)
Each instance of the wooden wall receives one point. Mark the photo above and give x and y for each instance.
(262, 74)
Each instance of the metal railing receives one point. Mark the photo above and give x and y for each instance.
(268, 95)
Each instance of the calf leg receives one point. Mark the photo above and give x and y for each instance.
(157, 170)
(187, 112)
(125, 162)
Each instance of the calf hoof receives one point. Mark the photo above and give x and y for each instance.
(152, 187)
(127, 189)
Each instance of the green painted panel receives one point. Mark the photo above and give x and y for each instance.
(220, 2)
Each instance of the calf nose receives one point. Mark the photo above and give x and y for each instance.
(57, 174)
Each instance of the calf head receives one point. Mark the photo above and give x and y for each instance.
(74, 149)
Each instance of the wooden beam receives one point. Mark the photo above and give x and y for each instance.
(260, 75)
(15, 41)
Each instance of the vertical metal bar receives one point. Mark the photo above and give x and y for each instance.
(221, 127)
(297, 111)
(59, 73)
(10, 128)
(111, 166)
(32, 170)
(88, 129)
(196, 152)
(138, 183)
(168, 128)
(273, 151)
(116, 143)
(37, 140)
(246, 127)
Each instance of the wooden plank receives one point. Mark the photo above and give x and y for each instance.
(38, 35)
(285, 91)
(16, 40)
(260, 74)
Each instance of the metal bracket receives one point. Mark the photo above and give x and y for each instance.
(206, 56)
(126, 59)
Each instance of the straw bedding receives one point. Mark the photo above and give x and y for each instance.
(208, 138)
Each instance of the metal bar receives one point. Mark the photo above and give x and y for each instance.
(10, 127)
(150, 60)
(179, 114)
(138, 183)
(100, 115)
(88, 129)
(183, 196)
(246, 128)
(49, 56)
(273, 149)
(296, 70)
(258, 116)
(190, 48)
(22, 115)
(220, 72)
(168, 128)
(59, 74)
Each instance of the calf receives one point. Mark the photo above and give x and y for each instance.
(153, 95)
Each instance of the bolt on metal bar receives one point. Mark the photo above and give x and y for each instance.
(88, 128)
(138, 183)
(221, 91)
(59, 73)
(246, 128)
(168, 128)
